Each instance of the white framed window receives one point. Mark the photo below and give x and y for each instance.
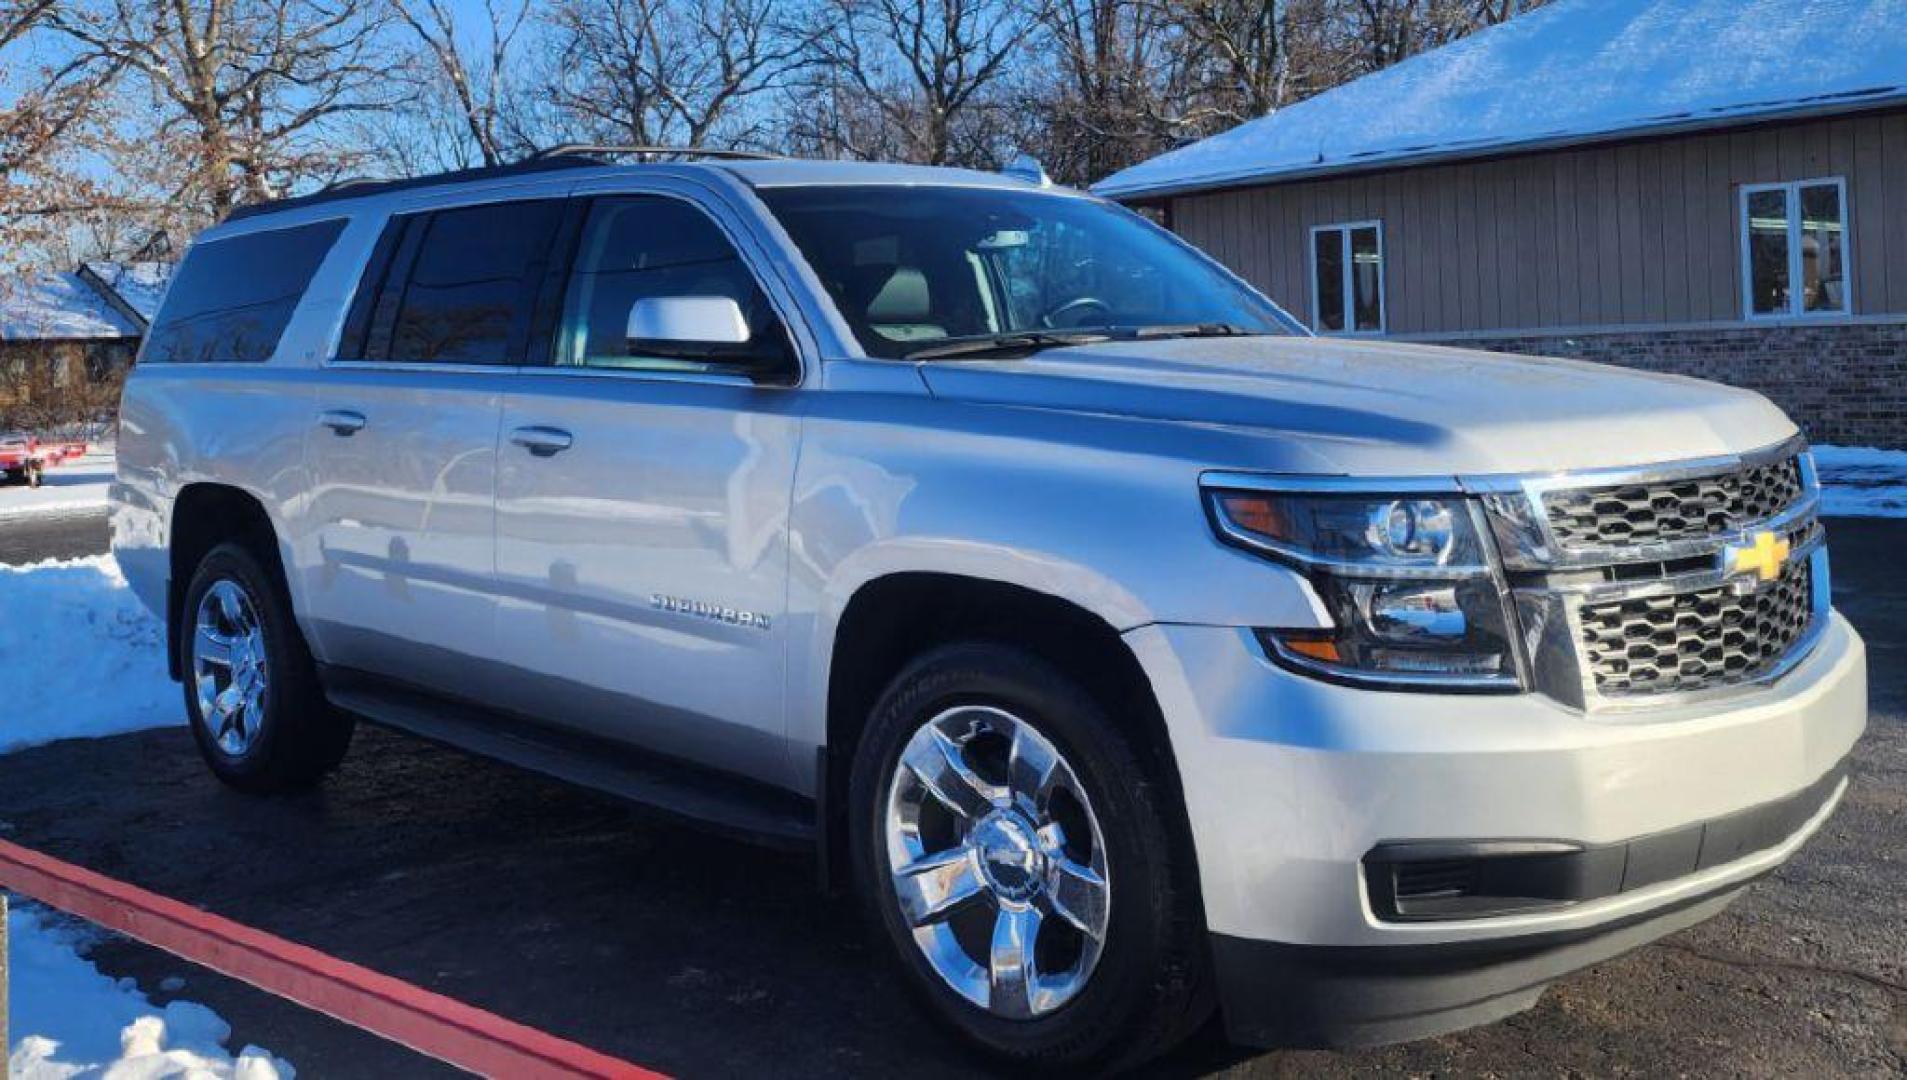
(1795, 257)
(1347, 278)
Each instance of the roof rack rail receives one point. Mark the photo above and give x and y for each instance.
(352, 187)
(343, 182)
(604, 150)
(567, 155)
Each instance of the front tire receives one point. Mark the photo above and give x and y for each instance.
(1018, 856)
(251, 689)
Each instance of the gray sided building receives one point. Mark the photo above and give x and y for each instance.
(1707, 188)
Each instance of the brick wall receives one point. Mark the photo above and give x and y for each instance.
(1843, 383)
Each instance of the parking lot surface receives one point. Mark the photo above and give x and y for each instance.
(698, 955)
(53, 536)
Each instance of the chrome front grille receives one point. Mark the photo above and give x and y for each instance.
(1688, 508)
(1644, 587)
(1696, 640)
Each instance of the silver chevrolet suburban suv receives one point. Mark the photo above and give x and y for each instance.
(1130, 650)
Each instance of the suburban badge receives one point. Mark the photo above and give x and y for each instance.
(711, 612)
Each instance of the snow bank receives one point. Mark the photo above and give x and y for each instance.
(79, 656)
(84, 1024)
(75, 487)
(1860, 481)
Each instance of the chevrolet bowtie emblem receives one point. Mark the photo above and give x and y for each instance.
(1762, 556)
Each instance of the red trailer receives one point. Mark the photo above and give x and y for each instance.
(27, 457)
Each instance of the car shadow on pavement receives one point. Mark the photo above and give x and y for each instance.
(656, 942)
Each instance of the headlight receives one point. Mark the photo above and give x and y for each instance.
(1406, 578)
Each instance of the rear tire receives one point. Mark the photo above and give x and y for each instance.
(251, 688)
(1093, 1003)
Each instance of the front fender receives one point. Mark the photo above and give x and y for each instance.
(1101, 512)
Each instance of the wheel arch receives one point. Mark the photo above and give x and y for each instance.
(205, 515)
(891, 619)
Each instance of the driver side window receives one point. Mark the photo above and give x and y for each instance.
(637, 248)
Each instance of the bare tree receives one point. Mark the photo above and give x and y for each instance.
(1113, 90)
(1239, 55)
(473, 82)
(671, 72)
(245, 90)
(927, 72)
(1379, 33)
(42, 108)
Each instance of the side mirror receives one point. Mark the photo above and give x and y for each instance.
(678, 325)
(707, 330)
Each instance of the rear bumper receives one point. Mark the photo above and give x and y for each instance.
(1638, 825)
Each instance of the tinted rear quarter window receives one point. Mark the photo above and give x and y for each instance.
(232, 298)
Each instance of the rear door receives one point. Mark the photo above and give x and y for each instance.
(404, 452)
(642, 504)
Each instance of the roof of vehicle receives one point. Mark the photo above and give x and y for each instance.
(757, 172)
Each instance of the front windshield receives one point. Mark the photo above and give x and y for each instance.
(913, 267)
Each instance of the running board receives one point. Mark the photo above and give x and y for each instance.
(728, 804)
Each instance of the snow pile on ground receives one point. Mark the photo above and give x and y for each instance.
(85, 1024)
(80, 657)
(1860, 481)
(73, 487)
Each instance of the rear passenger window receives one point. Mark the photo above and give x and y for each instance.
(457, 285)
(232, 298)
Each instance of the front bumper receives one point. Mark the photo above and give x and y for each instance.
(1290, 783)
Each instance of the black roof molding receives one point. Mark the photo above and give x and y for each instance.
(357, 187)
(565, 156)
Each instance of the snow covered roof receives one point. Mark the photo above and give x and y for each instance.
(53, 307)
(140, 284)
(1573, 71)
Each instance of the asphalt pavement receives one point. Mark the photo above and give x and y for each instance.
(53, 536)
(702, 956)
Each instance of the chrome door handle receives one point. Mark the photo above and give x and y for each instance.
(542, 441)
(342, 421)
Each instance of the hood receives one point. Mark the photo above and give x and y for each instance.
(1383, 408)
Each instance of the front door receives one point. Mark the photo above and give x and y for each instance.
(404, 452)
(642, 507)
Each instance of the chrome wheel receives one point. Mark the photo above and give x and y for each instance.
(229, 670)
(998, 864)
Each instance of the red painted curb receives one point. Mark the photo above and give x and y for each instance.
(428, 1023)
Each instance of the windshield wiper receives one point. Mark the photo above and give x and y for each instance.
(1017, 341)
(1177, 330)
